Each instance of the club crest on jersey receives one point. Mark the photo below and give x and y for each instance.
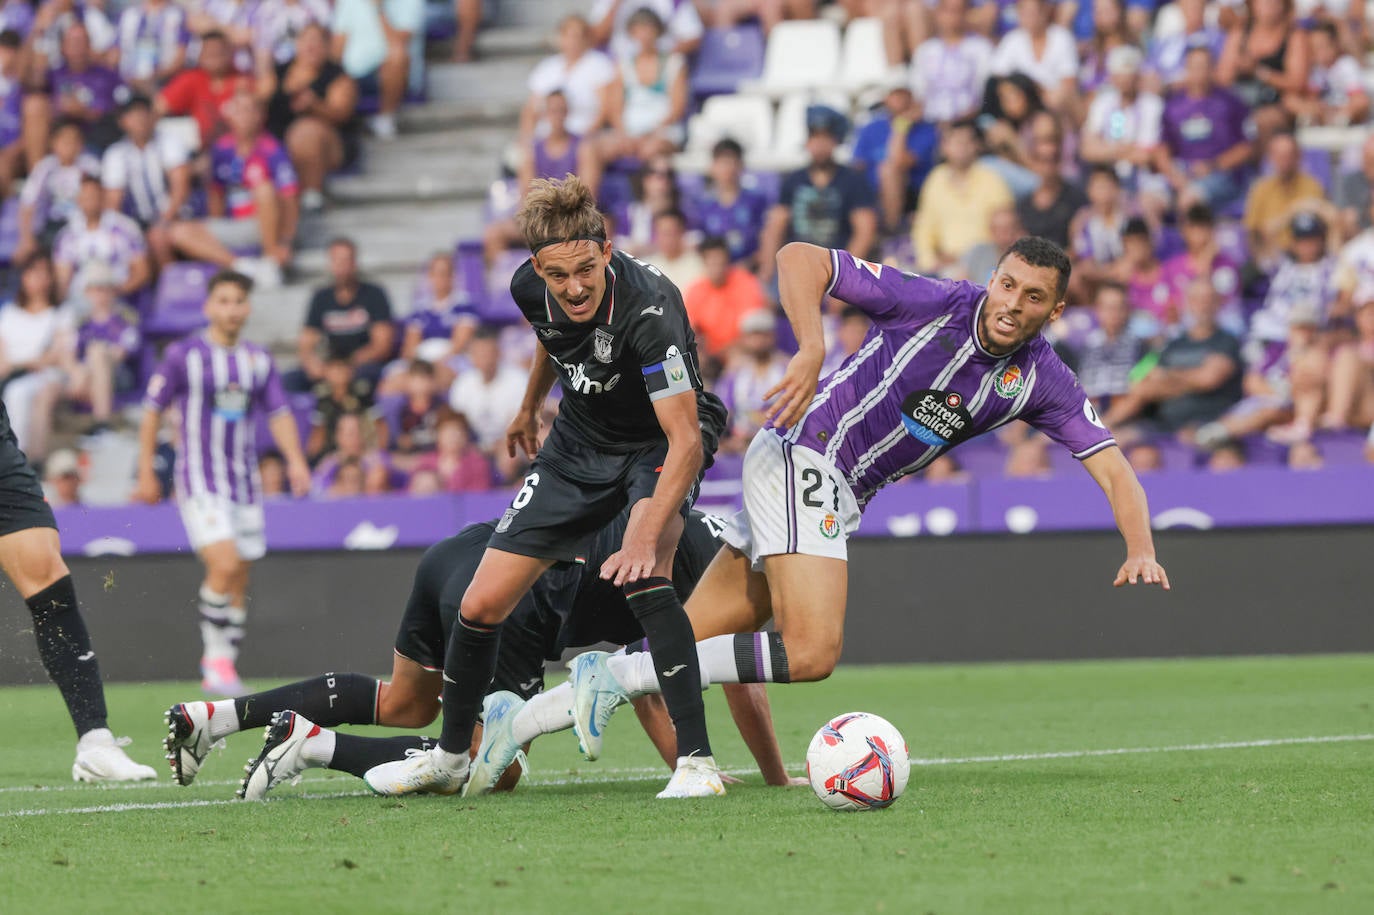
(601, 344)
(830, 526)
(1009, 383)
(937, 418)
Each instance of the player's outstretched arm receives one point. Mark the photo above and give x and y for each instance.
(754, 718)
(804, 274)
(523, 432)
(148, 489)
(282, 425)
(1127, 497)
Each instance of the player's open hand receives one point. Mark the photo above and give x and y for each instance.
(298, 476)
(634, 560)
(1141, 569)
(523, 433)
(789, 398)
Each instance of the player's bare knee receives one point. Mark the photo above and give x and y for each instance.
(812, 660)
(483, 607)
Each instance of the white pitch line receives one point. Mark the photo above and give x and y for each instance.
(1131, 751)
(648, 773)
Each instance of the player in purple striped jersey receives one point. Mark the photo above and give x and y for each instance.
(945, 361)
(219, 384)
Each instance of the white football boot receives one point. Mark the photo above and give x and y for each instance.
(695, 776)
(100, 757)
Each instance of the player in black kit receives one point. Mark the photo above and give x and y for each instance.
(634, 429)
(31, 555)
(567, 607)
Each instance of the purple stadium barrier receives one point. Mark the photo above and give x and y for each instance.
(726, 58)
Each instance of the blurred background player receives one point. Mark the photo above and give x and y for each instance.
(220, 384)
(31, 555)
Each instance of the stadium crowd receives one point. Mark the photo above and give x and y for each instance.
(1222, 305)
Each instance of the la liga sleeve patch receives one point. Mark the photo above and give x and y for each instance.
(669, 377)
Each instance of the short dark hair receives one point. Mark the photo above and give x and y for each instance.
(713, 243)
(487, 332)
(345, 241)
(421, 367)
(1327, 27)
(137, 100)
(1138, 228)
(1041, 252)
(11, 39)
(214, 35)
(674, 214)
(1199, 214)
(851, 311)
(727, 146)
(65, 123)
(1104, 171)
(966, 124)
(231, 277)
(1112, 286)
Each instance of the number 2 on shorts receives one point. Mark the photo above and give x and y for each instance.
(813, 481)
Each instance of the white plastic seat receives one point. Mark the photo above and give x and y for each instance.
(801, 54)
(748, 119)
(863, 58)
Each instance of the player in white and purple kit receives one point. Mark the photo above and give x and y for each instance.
(219, 385)
(945, 361)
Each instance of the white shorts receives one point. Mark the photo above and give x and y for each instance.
(211, 518)
(795, 501)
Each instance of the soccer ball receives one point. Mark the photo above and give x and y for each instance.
(857, 761)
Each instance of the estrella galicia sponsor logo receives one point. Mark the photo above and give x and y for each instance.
(602, 341)
(504, 524)
(1009, 383)
(936, 418)
(830, 526)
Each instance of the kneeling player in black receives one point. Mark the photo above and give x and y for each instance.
(634, 429)
(31, 555)
(566, 607)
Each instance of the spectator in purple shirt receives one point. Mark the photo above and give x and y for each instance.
(23, 139)
(1202, 258)
(86, 90)
(1206, 142)
(104, 343)
(727, 209)
(97, 236)
(49, 196)
(151, 43)
(549, 155)
(1166, 53)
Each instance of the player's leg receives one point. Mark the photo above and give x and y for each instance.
(221, 626)
(32, 560)
(501, 579)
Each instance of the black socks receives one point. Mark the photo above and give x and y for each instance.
(673, 646)
(65, 647)
(469, 668)
(329, 701)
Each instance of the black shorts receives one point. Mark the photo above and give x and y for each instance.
(573, 490)
(527, 636)
(22, 505)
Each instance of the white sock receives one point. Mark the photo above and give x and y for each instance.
(96, 737)
(319, 750)
(447, 760)
(546, 713)
(221, 626)
(224, 720)
(635, 672)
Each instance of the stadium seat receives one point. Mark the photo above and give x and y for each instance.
(470, 271)
(727, 58)
(9, 228)
(747, 119)
(1317, 163)
(503, 198)
(498, 307)
(801, 54)
(176, 308)
(863, 59)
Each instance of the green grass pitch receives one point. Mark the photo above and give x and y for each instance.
(1184, 819)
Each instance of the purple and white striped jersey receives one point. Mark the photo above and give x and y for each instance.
(219, 393)
(922, 383)
(149, 39)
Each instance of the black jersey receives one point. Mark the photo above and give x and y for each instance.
(639, 347)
